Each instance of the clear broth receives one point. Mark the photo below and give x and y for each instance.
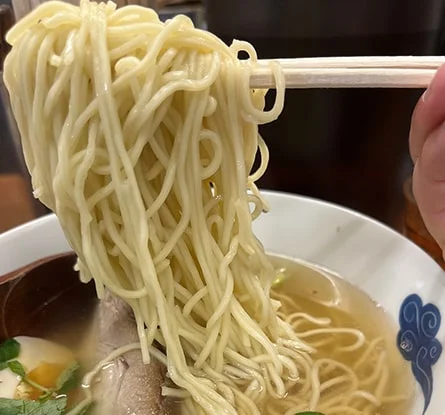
(322, 294)
(68, 318)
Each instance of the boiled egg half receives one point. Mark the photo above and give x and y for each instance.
(44, 362)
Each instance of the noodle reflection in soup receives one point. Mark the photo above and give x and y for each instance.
(141, 136)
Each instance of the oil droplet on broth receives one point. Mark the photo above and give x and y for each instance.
(323, 295)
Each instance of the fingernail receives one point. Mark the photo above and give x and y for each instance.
(427, 94)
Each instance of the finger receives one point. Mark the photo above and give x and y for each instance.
(428, 114)
(429, 184)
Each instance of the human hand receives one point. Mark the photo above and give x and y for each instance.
(427, 148)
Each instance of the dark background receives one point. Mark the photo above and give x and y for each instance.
(345, 146)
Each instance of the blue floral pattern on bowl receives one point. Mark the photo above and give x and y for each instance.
(416, 340)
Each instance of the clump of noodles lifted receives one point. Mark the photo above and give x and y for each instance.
(141, 137)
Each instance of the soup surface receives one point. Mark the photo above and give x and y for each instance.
(355, 374)
(376, 365)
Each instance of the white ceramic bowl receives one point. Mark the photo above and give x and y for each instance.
(392, 270)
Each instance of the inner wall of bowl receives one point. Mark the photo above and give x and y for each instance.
(48, 304)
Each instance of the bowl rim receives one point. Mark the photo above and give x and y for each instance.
(49, 219)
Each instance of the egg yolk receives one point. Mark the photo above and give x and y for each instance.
(45, 375)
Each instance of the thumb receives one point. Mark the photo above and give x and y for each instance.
(429, 184)
(427, 145)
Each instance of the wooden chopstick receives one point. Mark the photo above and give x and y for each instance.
(337, 72)
(354, 72)
(425, 62)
